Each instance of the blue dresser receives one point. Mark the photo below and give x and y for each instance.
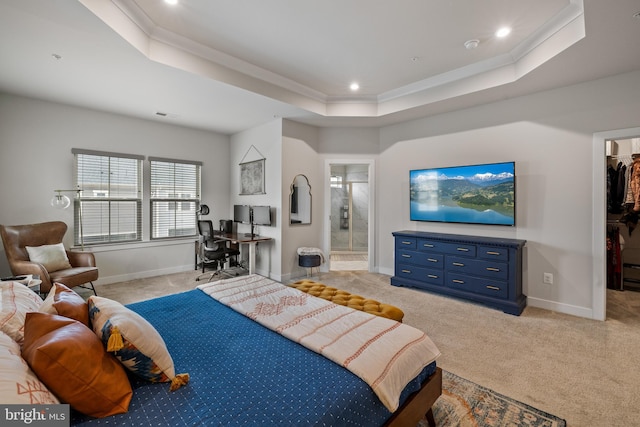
(486, 270)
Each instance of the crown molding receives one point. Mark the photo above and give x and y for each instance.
(160, 45)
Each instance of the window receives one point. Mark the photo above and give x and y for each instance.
(175, 197)
(109, 208)
(336, 181)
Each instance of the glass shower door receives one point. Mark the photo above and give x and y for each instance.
(350, 226)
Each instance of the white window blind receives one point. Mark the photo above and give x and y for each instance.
(110, 199)
(175, 197)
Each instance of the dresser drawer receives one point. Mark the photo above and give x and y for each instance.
(427, 275)
(494, 270)
(447, 248)
(429, 260)
(405, 242)
(493, 253)
(478, 285)
(459, 249)
(430, 245)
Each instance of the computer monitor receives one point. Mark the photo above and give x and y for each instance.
(242, 213)
(261, 215)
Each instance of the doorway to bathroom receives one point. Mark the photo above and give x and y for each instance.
(350, 200)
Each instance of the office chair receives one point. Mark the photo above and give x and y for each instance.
(213, 251)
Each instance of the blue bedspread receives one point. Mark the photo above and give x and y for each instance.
(242, 374)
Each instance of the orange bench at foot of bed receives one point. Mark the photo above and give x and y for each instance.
(345, 298)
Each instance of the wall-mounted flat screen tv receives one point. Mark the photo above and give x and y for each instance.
(473, 194)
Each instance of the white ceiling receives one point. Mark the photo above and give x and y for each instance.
(230, 65)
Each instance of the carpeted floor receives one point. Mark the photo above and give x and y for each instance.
(581, 370)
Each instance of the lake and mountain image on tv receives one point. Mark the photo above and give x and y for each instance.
(476, 194)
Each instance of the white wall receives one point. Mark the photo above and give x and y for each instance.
(36, 138)
(263, 141)
(348, 143)
(300, 158)
(549, 135)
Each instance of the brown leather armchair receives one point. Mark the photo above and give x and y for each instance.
(83, 269)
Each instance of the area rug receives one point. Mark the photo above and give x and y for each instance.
(466, 404)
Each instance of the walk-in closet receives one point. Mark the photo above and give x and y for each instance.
(623, 213)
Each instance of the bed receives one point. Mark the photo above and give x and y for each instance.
(242, 373)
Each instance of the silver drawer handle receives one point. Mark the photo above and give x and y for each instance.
(458, 281)
(431, 276)
(463, 249)
(406, 271)
(432, 260)
(407, 243)
(492, 269)
(493, 288)
(406, 256)
(458, 264)
(427, 245)
(493, 253)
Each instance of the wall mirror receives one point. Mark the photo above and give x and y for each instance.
(300, 201)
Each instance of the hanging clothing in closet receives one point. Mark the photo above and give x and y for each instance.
(616, 185)
(634, 184)
(632, 196)
(629, 198)
(614, 257)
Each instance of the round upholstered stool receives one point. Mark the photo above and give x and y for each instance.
(309, 261)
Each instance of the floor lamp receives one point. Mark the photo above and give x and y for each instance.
(62, 201)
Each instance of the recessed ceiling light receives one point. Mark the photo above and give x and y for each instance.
(503, 32)
(354, 86)
(171, 2)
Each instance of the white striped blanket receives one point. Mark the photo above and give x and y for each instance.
(384, 353)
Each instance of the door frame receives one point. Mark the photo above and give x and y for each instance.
(371, 208)
(599, 217)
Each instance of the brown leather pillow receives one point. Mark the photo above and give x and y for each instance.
(69, 304)
(72, 362)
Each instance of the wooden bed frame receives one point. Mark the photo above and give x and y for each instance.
(419, 404)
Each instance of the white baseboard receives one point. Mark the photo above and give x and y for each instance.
(387, 271)
(142, 274)
(560, 307)
(160, 272)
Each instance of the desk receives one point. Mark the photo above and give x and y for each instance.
(252, 241)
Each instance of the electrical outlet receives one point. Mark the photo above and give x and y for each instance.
(547, 278)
